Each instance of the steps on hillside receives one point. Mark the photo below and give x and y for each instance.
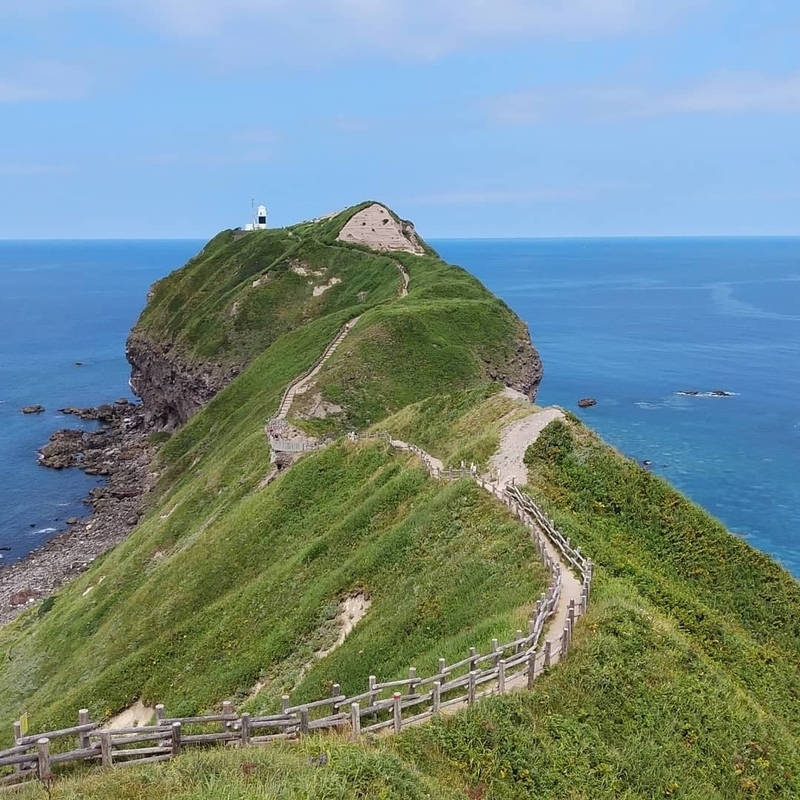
(288, 398)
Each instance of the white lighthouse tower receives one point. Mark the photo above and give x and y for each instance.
(258, 218)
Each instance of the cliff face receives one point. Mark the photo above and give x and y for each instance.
(171, 387)
(206, 322)
(521, 369)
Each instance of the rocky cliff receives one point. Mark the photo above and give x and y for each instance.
(172, 387)
(208, 321)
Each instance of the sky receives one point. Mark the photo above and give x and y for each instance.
(472, 118)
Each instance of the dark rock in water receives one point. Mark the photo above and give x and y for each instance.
(123, 401)
(689, 393)
(79, 363)
(647, 463)
(587, 402)
(83, 413)
(32, 409)
(720, 393)
(72, 521)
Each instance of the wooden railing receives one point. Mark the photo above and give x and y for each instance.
(384, 706)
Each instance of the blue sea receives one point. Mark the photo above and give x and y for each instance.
(62, 302)
(630, 322)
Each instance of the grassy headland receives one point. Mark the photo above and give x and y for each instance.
(684, 677)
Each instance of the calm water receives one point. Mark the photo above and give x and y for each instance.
(62, 302)
(629, 322)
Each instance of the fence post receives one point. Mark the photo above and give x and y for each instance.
(245, 728)
(83, 719)
(105, 748)
(397, 712)
(531, 668)
(303, 721)
(501, 677)
(336, 690)
(176, 739)
(519, 643)
(565, 642)
(284, 703)
(571, 614)
(43, 757)
(355, 720)
(17, 737)
(472, 656)
(547, 648)
(496, 651)
(442, 666)
(471, 694)
(161, 713)
(227, 708)
(412, 677)
(372, 691)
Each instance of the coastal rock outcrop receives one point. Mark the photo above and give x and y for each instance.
(377, 228)
(521, 370)
(122, 453)
(172, 388)
(587, 402)
(32, 409)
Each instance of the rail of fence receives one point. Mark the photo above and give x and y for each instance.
(386, 706)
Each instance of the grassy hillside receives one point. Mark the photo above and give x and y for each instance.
(647, 705)
(227, 583)
(683, 680)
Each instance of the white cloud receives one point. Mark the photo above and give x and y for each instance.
(258, 30)
(38, 81)
(723, 93)
(34, 169)
(501, 196)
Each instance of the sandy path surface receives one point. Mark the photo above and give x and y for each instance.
(508, 461)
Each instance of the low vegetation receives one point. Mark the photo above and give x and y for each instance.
(683, 680)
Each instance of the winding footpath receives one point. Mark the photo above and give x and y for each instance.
(507, 463)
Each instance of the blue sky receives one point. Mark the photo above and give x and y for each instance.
(161, 118)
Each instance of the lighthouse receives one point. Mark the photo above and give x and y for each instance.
(261, 218)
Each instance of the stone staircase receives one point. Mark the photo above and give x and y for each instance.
(304, 380)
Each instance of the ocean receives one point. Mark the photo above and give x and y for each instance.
(63, 302)
(630, 322)
(633, 322)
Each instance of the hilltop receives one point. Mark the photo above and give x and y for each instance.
(241, 580)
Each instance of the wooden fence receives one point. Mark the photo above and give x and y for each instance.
(383, 706)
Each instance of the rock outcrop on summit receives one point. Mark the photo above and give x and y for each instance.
(377, 228)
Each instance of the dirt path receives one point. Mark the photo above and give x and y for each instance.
(508, 461)
(302, 384)
(406, 279)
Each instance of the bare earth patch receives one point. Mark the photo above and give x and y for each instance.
(318, 290)
(377, 228)
(351, 611)
(134, 717)
(508, 461)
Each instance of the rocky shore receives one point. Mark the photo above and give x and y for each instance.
(121, 452)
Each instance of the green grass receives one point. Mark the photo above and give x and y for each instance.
(740, 608)
(637, 711)
(280, 772)
(462, 426)
(683, 680)
(236, 586)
